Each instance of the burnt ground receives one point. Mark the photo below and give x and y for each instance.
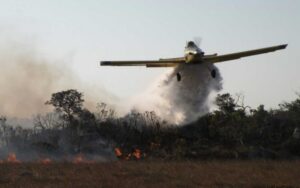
(257, 174)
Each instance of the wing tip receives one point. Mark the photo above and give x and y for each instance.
(105, 63)
(283, 46)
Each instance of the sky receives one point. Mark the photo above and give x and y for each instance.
(86, 32)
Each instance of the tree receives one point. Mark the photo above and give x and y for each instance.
(47, 121)
(226, 103)
(292, 109)
(68, 102)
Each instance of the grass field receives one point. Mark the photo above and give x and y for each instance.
(257, 174)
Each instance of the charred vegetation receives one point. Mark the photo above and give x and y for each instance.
(234, 131)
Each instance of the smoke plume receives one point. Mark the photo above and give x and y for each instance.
(185, 101)
(27, 80)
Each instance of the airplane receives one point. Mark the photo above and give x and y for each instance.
(193, 55)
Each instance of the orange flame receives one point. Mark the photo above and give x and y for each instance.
(45, 161)
(11, 158)
(80, 159)
(137, 154)
(118, 152)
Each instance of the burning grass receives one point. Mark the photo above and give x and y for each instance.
(152, 174)
(136, 154)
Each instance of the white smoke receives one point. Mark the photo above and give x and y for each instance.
(184, 101)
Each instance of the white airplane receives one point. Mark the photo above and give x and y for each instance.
(193, 55)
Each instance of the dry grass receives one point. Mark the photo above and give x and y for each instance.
(257, 174)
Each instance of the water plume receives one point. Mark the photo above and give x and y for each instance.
(184, 101)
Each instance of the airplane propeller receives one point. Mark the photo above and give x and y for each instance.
(198, 41)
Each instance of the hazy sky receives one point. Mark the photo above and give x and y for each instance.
(85, 32)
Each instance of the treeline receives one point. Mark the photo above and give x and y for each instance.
(232, 131)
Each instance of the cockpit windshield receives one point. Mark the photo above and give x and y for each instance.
(190, 44)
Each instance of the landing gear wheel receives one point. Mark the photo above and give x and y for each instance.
(213, 73)
(178, 76)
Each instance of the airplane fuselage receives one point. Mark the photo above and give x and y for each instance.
(192, 53)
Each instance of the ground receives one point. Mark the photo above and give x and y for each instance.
(257, 174)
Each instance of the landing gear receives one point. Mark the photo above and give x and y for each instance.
(178, 76)
(213, 73)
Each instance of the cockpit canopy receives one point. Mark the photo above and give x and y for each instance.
(192, 49)
(190, 44)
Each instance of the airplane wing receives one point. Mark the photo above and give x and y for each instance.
(172, 62)
(228, 57)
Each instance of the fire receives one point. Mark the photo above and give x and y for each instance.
(45, 161)
(118, 152)
(137, 154)
(11, 158)
(80, 159)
